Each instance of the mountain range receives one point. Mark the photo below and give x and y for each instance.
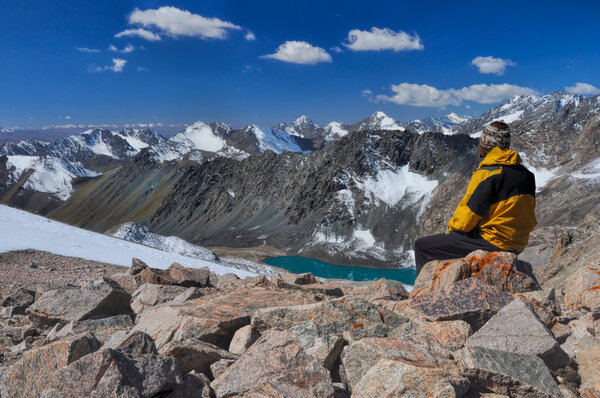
(354, 194)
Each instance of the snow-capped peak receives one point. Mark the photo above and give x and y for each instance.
(454, 118)
(381, 121)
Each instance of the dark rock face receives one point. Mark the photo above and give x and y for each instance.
(469, 300)
(507, 373)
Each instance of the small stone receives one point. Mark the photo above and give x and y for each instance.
(381, 289)
(580, 339)
(243, 338)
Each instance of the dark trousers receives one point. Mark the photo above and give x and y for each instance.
(448, 246)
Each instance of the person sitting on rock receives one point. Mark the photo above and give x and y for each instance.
(496, 213)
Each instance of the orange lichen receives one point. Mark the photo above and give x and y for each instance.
(310, 318)
(593, 288)
(393, 290)
(356, 325)
(380, 313)
(341, 301)
(418, 291)
(520, 295)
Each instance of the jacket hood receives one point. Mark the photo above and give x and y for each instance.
(499, 156)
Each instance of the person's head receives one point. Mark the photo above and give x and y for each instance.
(494, 134)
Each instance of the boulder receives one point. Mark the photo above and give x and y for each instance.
(137, 266)
(195, 355)
(22, 297)
(470, 300)
(379, 290)
(138, 343)
(352, 317)
(195, 385)
(517, 329)
(149, 295)
(40, 365)
(589, 370)
(213, 318)
(113, 373)
(219, 367)
(500, 269)
(16, 334)
(390, 378)
(155, 276)
(561, 332)
(326, 347)
(298, 279)
(277, 358)
(188, 294)
(243, 338)
(101, 328)
(226, 281)
(582, 289)
(452, 335)
(507, 373)
(97, 299)
(330, 289)
(360, 356)
(189, 277)
(580, 339)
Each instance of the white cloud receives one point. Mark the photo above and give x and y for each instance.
(88, 50)
(492, 93)
(117, 66)
(127, 49)
(424, 95)
(299, 52)
(142, 69)
(382, 39)
(143, 33)
(491, 65)
(582, 89)
(67, 117)
(366, 93)
(250, 36)
(419, 95)
(336, 49)
(175, 22)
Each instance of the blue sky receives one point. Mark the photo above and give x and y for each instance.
(263, 62)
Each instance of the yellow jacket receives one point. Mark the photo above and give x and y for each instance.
(500, 201)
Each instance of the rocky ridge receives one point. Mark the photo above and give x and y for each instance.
(188, 332)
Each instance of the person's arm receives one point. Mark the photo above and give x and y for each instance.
(476, 202)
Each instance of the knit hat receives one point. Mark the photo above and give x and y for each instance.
(495, 134)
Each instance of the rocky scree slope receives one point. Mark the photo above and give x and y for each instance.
(473, 327)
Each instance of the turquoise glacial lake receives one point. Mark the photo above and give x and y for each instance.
(300, 265)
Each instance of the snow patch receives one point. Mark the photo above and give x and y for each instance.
(274, 139)
(22, 230)
(365, 235)
(392, 186)
(513, 117)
